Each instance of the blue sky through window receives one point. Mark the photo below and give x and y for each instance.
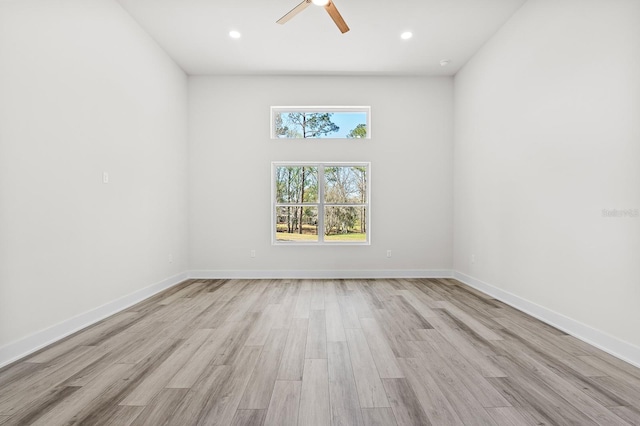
(347, 121)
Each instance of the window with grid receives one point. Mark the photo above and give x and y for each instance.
(321, 203)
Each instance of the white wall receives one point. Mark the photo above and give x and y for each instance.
(547, 135)
(230, 164)
(84, 90)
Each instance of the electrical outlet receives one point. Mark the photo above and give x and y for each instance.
(105, 177)
(252, 253)
(388, 253)
(473, 258)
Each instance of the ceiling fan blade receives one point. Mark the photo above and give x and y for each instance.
(337, 18)
(293, 12)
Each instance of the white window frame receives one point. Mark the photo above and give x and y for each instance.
(320, 109)
(320, 204)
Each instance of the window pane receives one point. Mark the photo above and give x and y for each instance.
(296, 184)
(345, 224)
(320, 124)
(345, 184)
(297, 223)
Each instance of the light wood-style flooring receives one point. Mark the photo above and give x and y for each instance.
(320, 352)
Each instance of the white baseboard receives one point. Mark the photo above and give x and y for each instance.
(601, 340)
(321, 274)
(23, 347)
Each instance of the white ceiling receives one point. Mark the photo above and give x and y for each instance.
(195, 34)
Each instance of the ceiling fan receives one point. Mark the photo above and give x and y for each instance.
(328, 6)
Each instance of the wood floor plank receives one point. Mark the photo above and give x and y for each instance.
(105, 404)
(185, 310)
(231, 289)
(612, 371)
(284, 404)
(237, 337)
(183, 293)
(480, 344)
(21, 395)
(468, 409)
(420, 291)
(27, 415)
(245, 305)
(362, 308)
(333, 317)
(343, 393)
(370, 389)
(316, 346)
(18, 373)
(222, 408)
(303, 304)
(284, 317)
(532, 414)
(434, 403)
(163, 335)
(161, 407)
(249, 418)
(533, 325)
(629, 394)
(378, 417)
(161, 376)
(122, 416)
(263, 379)
(426, 287)
(370, 296)
(314, 395)
(406, 314)
(480, 361)
(339, 352)
(527, 391)
(306, 285)
(220, 316)
(630, 414)
(406, 407)
(471, 322)
(87, 337)
(481, 389)
(187, 376)
(586, 384)
(507, 416)
(264, 323)
(619, 364)
(514, 330)
(348, 312)
(280, 290)
(202, 395)
(397, 337)
(417, 304)
(382, 353)
(292, 361)
(334, 326)
(317, 296)
(68, 407)
(265, 288)
(575, 396)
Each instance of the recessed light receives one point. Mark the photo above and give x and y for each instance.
(235, 34)
(406, 35)
(320, 2)
(445, 62)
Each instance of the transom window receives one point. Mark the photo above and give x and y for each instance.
(320, 122)
(321, 203)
